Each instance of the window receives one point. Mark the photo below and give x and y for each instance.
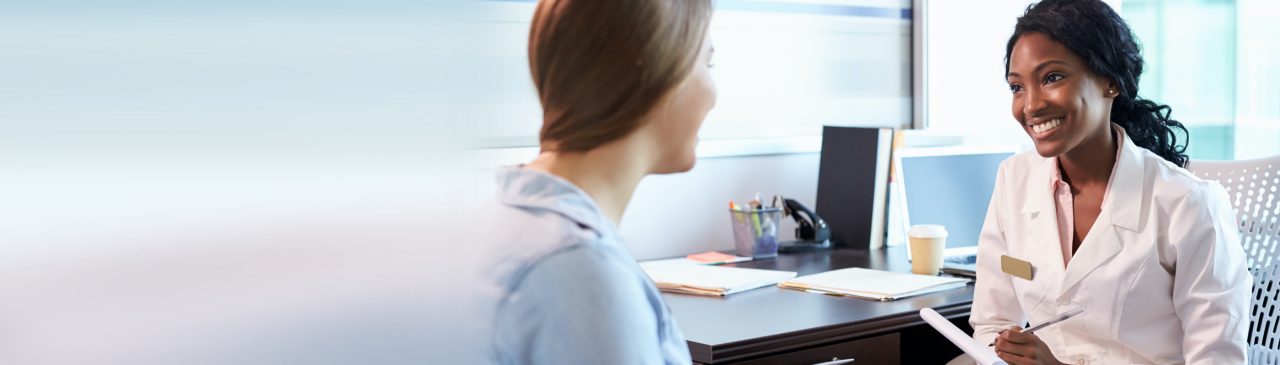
(1214, 63)
(784, 68)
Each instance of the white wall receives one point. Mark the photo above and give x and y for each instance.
(678, 214)
(674, 215)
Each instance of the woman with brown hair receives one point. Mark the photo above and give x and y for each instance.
(624, 86)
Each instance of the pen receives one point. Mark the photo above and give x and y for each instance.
(1059, 318)
(835, 361)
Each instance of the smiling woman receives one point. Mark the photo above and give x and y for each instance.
(1099, 54)
(1053, 86)
(1103, 211)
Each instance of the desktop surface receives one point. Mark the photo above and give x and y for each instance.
(771, 320)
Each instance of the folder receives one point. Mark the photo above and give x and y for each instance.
(872, 284)
(853, 180)
(711, 280)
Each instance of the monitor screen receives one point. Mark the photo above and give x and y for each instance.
(952, 190)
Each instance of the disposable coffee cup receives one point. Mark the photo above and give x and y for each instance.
(927, 241)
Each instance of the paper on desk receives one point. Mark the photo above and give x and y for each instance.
(872, 284)
(983, 355)
(712, 280)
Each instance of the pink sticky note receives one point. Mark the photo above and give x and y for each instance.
(710, 257)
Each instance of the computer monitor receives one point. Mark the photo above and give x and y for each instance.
(950, 186)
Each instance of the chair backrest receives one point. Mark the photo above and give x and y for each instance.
(1254, 188)
(1259, 355)
(1264, 329)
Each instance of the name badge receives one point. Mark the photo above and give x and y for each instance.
(1016, 267)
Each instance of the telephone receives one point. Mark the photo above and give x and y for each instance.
(812, 233)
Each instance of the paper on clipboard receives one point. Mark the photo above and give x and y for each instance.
(983, 355)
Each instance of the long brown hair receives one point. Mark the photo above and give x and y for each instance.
(601, 66)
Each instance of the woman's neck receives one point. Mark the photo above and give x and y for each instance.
(609, 174)
(1090, 163)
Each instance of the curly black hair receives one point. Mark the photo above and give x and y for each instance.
(1093, 31)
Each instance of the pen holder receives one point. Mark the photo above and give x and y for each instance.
(755, 232)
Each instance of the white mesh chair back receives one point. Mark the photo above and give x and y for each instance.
(1259, 355)
(1264, 329)
(1254, 189)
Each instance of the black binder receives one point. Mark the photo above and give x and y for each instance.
(853, 179)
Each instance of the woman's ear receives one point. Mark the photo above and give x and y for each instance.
(1113, 90)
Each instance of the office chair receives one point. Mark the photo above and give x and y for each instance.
(1264, 330)
(1254, 188)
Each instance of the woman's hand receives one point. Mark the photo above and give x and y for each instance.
(1017, 348)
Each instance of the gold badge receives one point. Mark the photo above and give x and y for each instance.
(1016, 267)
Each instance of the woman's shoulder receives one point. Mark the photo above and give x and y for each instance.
(1024, 159)
(1173, 182)
(517, 239)
(532, 226)
(586, 296)
(587, 267)
(588, 273)
(1021, 165)
(1176, 189)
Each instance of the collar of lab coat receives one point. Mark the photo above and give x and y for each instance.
(1127, 182)
(1119, 209)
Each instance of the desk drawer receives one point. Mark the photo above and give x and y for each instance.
(881, 349)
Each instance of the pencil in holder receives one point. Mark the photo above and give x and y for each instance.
(755, 231)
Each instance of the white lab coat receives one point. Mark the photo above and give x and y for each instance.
(1161, 274)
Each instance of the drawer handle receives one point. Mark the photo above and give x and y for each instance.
(836, 361)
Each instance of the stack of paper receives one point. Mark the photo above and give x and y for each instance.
(872, 284)
(712, 280)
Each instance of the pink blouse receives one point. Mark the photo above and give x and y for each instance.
(1066, 204)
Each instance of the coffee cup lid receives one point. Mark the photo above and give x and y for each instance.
(928, 230)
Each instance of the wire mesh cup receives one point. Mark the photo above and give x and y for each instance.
(755, 232)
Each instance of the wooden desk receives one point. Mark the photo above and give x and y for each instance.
(781, 326)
